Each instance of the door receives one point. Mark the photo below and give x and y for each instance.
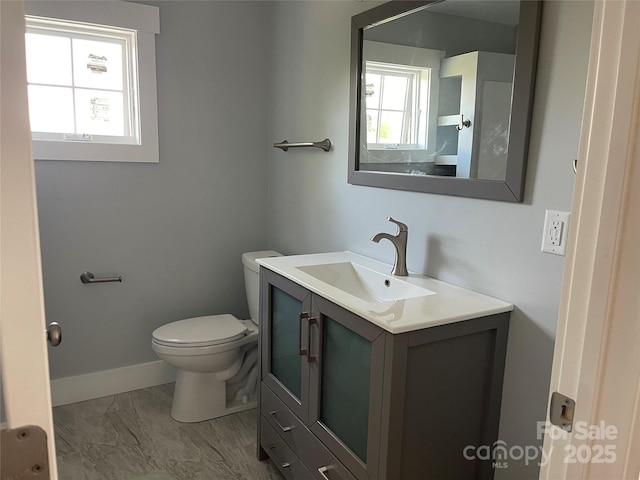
(286, 345)
(346, 383)
(23, 353)
(596, 359)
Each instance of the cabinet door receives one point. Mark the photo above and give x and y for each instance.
(284, 324)
(346, 386)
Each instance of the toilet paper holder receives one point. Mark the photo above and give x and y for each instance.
(88, 277)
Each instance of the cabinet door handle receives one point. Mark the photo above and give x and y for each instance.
(323, 471)
(310, 358)
(275, 456)
(302, 316)
(275, 419)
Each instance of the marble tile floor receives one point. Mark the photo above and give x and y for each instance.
(131, 436)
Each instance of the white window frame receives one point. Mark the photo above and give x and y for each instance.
(413, 136)
(145, 20)
(425, 61)
(125, 38)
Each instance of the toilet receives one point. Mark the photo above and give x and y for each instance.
(216, 356)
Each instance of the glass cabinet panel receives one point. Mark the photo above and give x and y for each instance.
(345, 382)
(285, 355)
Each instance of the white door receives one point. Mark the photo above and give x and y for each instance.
(23, 353)
(597, 353)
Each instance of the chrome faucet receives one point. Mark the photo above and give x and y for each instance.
(400, 243)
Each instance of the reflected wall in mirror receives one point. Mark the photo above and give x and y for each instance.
(442, 94)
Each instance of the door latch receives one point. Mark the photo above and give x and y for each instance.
(561, 411)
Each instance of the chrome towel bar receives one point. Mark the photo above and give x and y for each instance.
(324, 145)
(88, 277)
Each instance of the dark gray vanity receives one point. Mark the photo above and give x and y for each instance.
(344, 398)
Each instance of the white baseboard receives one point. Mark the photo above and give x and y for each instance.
(109, 382)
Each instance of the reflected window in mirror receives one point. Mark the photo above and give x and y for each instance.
(401, 98)
(391, 111)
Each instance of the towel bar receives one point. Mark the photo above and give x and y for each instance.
(324, 145)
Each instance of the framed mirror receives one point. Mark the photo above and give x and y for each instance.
(442, 94)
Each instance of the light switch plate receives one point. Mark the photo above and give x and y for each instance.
(554, 234)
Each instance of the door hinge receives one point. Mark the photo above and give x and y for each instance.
(24, 454)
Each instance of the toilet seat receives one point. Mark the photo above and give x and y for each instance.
(200, 331)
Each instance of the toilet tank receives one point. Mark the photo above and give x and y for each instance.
(252, 279)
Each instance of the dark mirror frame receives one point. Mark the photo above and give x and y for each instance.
(512, 188)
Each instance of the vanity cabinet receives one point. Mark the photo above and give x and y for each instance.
(341, 398)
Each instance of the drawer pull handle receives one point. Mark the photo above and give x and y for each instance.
(302, 316)
(275, 419)
(282, 464)
(323, 471)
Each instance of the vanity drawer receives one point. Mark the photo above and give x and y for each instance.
(316, 457)
(282, 456)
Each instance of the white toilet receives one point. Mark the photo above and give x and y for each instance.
(216, 356)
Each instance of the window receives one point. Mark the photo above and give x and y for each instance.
(81, 82)
(401, 97)
(92, 86)
(392, 96)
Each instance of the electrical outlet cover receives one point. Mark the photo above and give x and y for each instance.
(554, 233)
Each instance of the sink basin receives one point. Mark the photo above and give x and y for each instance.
(364, 283)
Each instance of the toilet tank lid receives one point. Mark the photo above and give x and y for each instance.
(249, 258)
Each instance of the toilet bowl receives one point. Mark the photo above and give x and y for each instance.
(216, 356)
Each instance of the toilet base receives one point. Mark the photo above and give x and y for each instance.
(201, 396)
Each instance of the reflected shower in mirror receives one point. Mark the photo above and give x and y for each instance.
(435, 95)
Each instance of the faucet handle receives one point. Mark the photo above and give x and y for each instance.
(402, 227)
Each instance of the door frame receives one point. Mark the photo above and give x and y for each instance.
(25, 364)
(596, 359)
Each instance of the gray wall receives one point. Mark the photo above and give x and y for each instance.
(491, 247)
(175, 230)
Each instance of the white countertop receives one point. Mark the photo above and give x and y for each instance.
(448, 303)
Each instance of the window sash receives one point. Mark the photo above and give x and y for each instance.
(127, 39)
(410, 137)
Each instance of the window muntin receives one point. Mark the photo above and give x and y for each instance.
(82, 82)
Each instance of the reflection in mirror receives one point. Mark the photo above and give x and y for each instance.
(444, 90)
